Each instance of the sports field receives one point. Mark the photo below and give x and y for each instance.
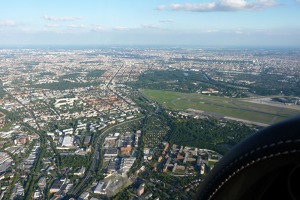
(224, 106)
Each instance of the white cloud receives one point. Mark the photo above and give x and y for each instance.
(162, 7)
(167, 21)
(75, 26)
(222, 5)
(7, 23)
(211, 31)
(150, 26)
(239, 32)
(194, 7)
(98, 28)
(67, 18)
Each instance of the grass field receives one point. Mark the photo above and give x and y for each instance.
(225, 106)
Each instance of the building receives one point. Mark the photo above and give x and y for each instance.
(99, 187)
(5, 161)
(57, 184)
(21, 140)
(80, 172)
(67, 141)
(110, 152)
(81, 127)
(3, 155)
(111, 138)
(87, 140)
(166, 148)
(104, 187)
(159, 159)
(19, 190)
(111, 166)
(148, 196)
(136, 140)
(202, 168)
(68, 131)
(140, 190)
(42, 182)
(214, 157)
(139, 132)
(126, 150)
(126, 164)
(37, 195)
(84, 196)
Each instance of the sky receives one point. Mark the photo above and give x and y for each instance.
(150, 22)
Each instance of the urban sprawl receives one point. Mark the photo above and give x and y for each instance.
(72, 124)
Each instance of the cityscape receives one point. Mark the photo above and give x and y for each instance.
(157, 100)
(93, 123)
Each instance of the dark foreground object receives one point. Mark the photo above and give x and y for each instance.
(266, 165)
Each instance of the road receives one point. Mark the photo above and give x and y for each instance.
(36, 167)
(97, 148)
(110, 82)
(26, 108)
(96, 156)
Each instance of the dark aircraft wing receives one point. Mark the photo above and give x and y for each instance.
(266, 165)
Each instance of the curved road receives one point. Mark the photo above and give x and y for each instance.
(96, 156)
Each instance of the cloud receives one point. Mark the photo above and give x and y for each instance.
(76, 26)
(167, 21)
(222, 5)
(67, 18)
(239, 32)
(211, 31)
(98, 28)
(162, 7)
(7, 23)
(150, 26)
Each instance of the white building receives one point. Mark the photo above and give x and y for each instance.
(67, 141)
(99, 188)
(80, 172)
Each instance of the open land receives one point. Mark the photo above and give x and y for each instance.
(236, 108)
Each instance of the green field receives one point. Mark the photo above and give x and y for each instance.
(224, 106)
